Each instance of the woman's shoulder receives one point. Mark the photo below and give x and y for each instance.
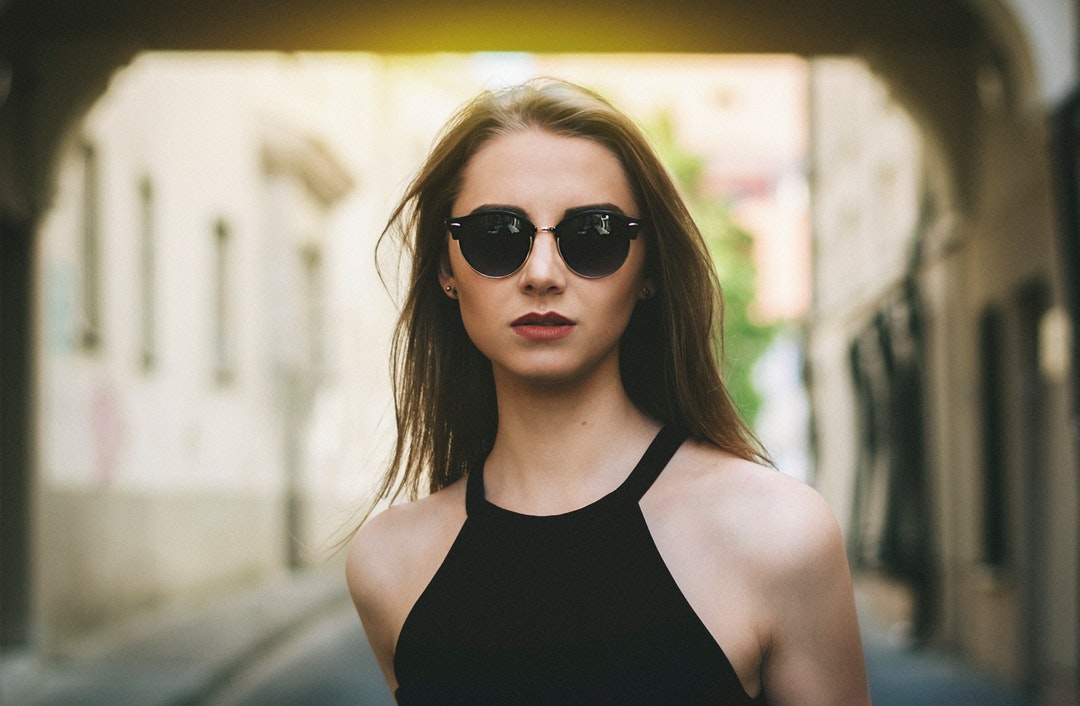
(399, 543)
(774, 522)
(393, 557)
(777, 541)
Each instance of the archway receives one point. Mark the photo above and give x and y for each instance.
(944, 59)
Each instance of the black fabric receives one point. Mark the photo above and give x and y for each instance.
(576, 608)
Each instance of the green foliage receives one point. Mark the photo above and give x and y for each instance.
(732, 251)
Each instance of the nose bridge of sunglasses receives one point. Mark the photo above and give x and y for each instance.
(544, 249)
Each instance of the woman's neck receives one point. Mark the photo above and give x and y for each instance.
(561, 447)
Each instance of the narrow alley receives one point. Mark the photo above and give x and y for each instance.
(195, 400)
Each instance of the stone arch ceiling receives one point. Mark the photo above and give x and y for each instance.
(58, 54)
(809, 27)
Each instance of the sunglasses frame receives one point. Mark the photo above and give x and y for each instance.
(633, 226)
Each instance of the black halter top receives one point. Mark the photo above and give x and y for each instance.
(577, 608)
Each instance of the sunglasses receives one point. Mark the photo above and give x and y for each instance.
(592, 243)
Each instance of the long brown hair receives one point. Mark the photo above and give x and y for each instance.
(670, 354)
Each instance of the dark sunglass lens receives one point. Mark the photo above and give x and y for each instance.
(495, 244)
(594, 244)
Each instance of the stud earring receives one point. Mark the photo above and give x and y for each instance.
(646, 292)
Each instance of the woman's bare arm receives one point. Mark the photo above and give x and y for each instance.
(815, 655)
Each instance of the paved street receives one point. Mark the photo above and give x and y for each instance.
(328, 663)
(299, 642)
(900, 677)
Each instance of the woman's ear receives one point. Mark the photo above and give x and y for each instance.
(446, 276)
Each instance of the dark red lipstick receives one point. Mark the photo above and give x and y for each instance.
(549, 326)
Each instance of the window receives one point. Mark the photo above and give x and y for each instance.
(147, 280)
(222, 314)
(90, 252)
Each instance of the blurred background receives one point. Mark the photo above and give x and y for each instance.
(195, 399)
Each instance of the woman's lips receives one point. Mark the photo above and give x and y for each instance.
(543, 327)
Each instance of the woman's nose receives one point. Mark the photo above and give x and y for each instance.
(544, 271)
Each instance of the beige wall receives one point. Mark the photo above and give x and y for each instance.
(867, 166)
(113, 554)
(169, 479)
(1011, 243)
(1018, 619)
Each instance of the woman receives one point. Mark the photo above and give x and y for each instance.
(599, 526)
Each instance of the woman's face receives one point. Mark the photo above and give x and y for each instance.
(545, 324)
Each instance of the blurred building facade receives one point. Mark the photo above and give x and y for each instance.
(939, 349)
(186, 292)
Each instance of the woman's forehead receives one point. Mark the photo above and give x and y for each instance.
(539, 167)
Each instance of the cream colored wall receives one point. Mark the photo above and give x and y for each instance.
(114, 554)
(866, 178)
(1012, 241)
(1022, 616)
(161, 483)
